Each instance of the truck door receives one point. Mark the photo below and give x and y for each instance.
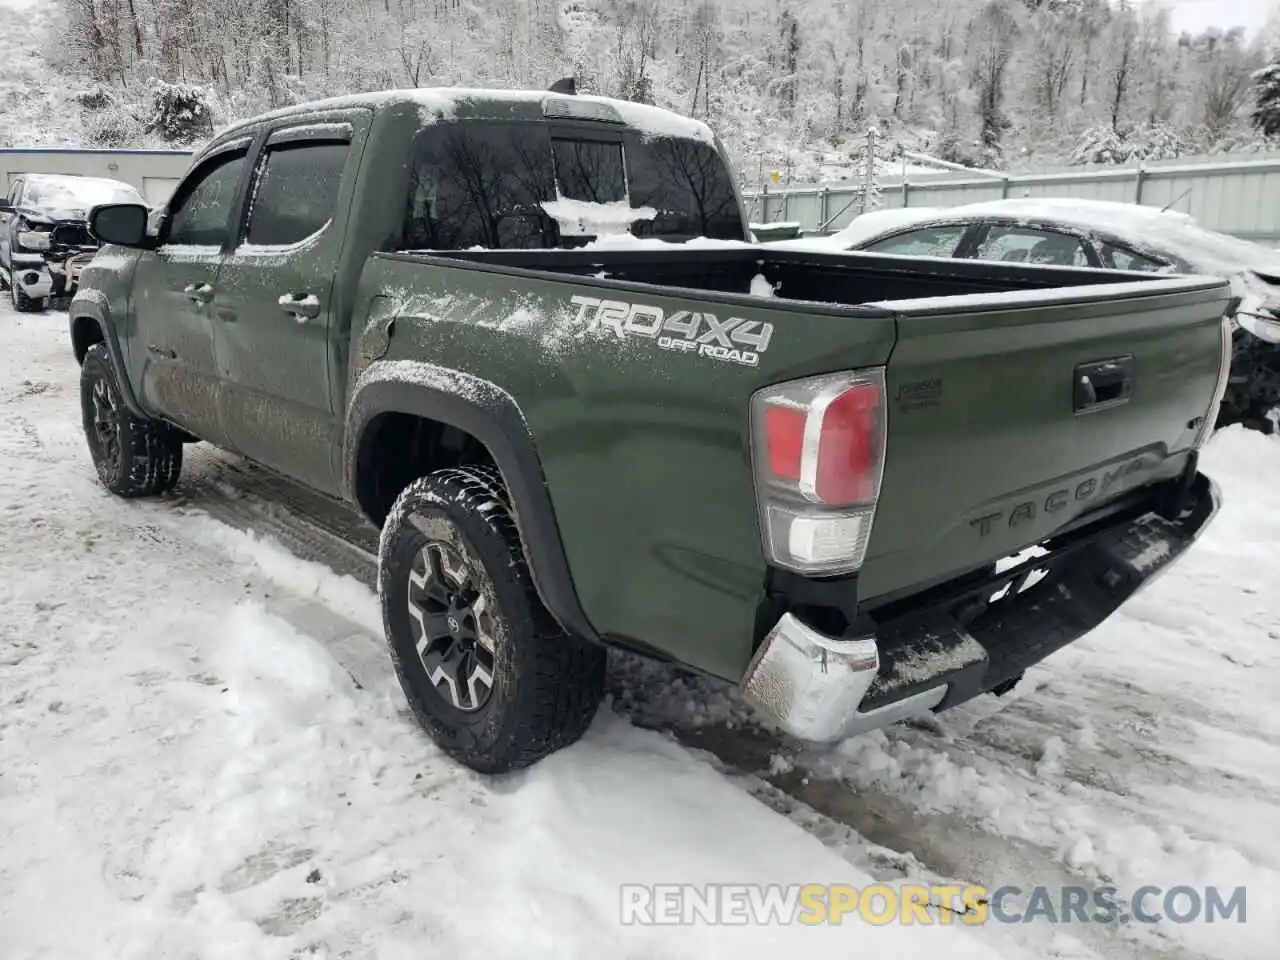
(171, 349)
(274, 319)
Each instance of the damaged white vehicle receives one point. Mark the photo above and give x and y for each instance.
(44, 233)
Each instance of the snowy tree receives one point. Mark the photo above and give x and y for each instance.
(1266, 93)
(180, 112)
(787, 83)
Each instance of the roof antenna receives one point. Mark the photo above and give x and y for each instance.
(1166, 207)
(566, 85)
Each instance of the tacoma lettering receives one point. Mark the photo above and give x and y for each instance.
(1026, 511)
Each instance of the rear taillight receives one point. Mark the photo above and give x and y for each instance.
(1225, 356)
(819, 455)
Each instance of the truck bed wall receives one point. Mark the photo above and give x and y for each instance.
(847, 279)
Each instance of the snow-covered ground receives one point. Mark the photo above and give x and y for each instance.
(203, 752)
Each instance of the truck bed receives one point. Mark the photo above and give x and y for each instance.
(990, 447)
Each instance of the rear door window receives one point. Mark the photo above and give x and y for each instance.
(1122, 258)
(925, 242)
(1028, 245)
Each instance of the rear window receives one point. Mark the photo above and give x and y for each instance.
(523, 185)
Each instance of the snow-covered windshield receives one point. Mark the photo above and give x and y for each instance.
(517, 185)
(75, 196)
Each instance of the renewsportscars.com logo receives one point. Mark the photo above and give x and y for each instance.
(813, 904)
(734, 340)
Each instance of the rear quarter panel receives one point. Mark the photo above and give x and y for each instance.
(645, 451)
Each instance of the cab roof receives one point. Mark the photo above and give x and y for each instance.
(476, 103)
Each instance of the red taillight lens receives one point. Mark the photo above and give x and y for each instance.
(784, 438)
(848, 468)
(819, 455)
(824, 438)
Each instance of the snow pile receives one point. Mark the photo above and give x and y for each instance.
(580, 218)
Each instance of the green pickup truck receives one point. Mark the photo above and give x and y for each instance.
(527, 334)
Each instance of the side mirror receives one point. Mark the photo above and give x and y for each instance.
(123, 224)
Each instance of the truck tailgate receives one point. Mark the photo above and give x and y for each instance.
(1011, 415)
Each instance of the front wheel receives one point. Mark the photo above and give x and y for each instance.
(134, 457)
(488, 673)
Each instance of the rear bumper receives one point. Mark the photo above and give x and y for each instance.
(955, 642)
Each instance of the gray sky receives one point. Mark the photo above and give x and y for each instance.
(1194, 15)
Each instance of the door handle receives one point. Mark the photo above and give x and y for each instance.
(162, 351)
(303, 306)
(1104, 384)
(198, 292)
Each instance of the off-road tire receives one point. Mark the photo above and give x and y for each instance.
(21, 302)
(146, 456)
(546, 685)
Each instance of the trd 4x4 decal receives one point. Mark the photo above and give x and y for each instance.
(734, 340)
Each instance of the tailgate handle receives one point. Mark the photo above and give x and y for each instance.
(1103, 384)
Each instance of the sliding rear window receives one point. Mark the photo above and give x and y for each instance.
(488, 183)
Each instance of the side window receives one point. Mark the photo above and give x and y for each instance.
(296, 192)
(201, 214)
(15, 192)
(1028, 245)
(1121, 258)
(927, 242)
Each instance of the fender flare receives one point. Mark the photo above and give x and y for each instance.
(93, 305)
(491, 415)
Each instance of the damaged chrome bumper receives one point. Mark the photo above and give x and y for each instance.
(34, 278)
(949, 645)
(813, 685)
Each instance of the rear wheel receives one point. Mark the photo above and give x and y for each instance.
(134, 457)
(21, 302)
(487, 671)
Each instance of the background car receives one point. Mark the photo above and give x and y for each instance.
(44, 233)
(1101, 235)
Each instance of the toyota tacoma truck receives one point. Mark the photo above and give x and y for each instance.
(526, 334)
